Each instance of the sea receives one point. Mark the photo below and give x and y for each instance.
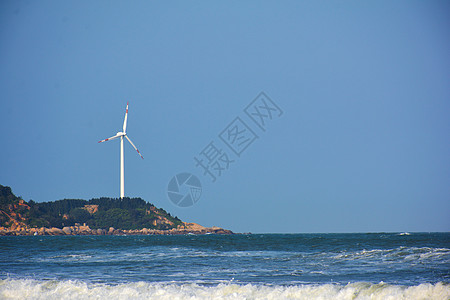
(242, 266)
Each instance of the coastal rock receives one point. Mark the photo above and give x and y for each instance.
(186, 228)
(67, 230)
(55, 231)
(194, 226)
(84, 230)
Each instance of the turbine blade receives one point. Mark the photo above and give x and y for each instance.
(125, 120)
(111, 138)
(134, 147)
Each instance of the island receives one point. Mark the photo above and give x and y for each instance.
(99, 216)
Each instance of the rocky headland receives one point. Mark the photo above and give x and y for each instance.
(101, 216)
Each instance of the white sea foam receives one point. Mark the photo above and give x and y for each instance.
(34, 289)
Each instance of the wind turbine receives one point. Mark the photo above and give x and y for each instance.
(122, 134)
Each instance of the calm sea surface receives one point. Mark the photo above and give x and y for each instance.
(258, 266)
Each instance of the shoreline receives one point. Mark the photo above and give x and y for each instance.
(188, 228)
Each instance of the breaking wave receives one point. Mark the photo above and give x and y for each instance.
(40, 289)
(399, 254)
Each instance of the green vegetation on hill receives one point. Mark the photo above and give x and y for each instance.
(126, 213)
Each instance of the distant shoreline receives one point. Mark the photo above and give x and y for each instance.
(189, 228)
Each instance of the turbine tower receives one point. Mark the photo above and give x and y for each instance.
(122, 134)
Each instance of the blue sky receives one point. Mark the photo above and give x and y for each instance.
(364, 86)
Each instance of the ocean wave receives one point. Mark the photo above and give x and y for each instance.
(400, 253)
(38, 289)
